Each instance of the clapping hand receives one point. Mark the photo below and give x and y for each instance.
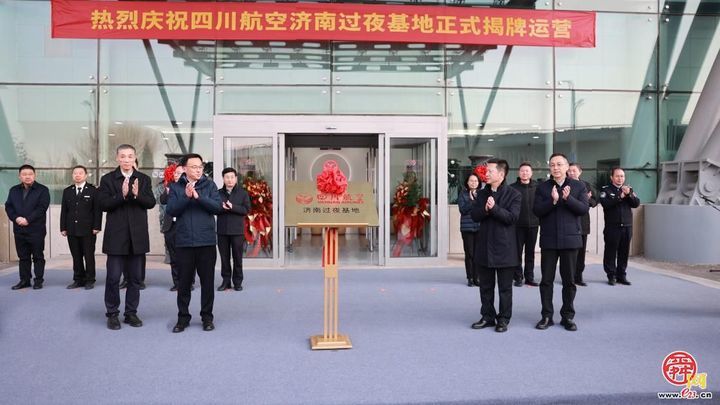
(125, 187)
(227, 205)
(489, 204)
(626, 190)
(554, 194)
(135, 188)
(565, 192)
(190, 190)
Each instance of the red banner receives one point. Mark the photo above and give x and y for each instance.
(321, 22)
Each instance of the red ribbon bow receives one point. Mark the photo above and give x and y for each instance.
(331, 180)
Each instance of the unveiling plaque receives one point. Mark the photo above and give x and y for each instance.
(305, 204)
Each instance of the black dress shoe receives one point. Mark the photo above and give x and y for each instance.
(471, 283)
(518, 283)
(531, 283)
(173, 288)
(179, 327)
(89, 285)
(133, 320)
(113, 323)
(623, 281)
(501, 327)
(544, 324)
(481, 324)
(74, 285)
(123, 284)
(208, 326)
(476, 282)
(142, 285)
(38, 285)
(569, 325)
(238, 288)
(611, 281)
(224, 286)
(581, 283)
(21, 285)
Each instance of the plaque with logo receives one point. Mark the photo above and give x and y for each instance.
(304, 203)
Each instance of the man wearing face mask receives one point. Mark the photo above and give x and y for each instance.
(125, 195)
(559, 203)
(618, 199)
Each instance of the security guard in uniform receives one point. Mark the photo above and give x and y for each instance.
(617, 200)
(80, 222)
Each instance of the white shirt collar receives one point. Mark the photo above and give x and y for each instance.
(81, 185)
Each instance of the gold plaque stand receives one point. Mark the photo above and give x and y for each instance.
(330, 339)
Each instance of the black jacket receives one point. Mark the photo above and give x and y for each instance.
(168, 221)
(527, 218)
(592, 202)
(465, 205)
(496, 243)
(194, 218)
(80, 214)
(33, 208)
(232, 222)
(560, 223)
(618, 211)
(126, 222)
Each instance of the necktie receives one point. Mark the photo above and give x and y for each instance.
(78, 190)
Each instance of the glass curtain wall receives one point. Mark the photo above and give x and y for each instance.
(626, 102)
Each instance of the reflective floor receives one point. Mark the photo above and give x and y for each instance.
(306, 249)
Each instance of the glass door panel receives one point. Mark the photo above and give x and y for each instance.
(413, 214)
(253, 160)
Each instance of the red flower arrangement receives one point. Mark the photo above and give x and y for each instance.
(331, 180)
(410, 212)
(258, 226)
(169, 174)
(481, 172)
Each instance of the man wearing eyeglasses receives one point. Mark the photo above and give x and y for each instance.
(194, 201)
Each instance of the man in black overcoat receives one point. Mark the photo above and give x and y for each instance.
(231, 229)
(126, 195)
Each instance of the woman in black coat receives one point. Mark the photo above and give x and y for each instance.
(468, 227)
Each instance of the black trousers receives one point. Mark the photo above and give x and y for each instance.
(468, 239)
(116, 265)
(82, 249)
(486, 276)
(580, 266)
(617, 245)
(526, 239)
(143, 263)
(170, 246)
(30, 250)
(548, 263)
(201, 260)
(226, 245)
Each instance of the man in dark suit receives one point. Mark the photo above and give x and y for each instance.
(126, 195)
(574, 172)
(559, 203)
(231, 229)
(26, 207)
(80, 222)
(194, 201)
(496, 208)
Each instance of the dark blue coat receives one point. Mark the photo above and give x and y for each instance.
(560, 224)
(496, 241)
(33, 208)
(465, 205)
(195, 218)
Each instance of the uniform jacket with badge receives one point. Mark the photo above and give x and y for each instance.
(194, 218)
(80, 213)
(560, 223)
(618, 211)
(465, 205)
(33, 208)
(232, 222)
(496, 243)
(592, 202)
(126, 221)
(527, 218)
